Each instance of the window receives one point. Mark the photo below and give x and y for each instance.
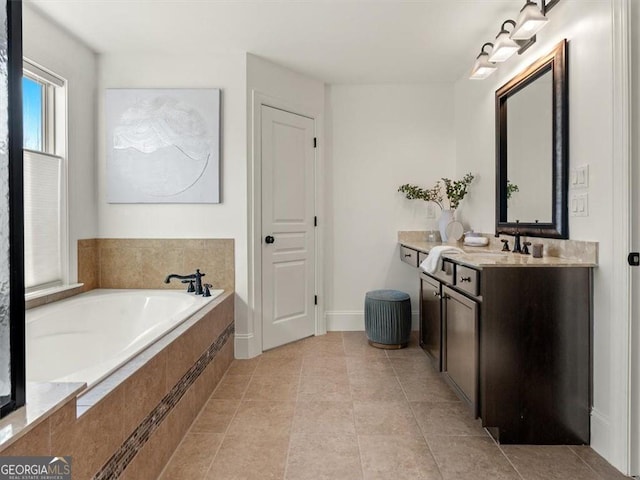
(45, 212)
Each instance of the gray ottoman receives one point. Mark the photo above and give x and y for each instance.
(387, 318)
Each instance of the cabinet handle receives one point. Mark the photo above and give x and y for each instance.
(407, 254)
(465, 279)
(436, 294)
(445, 296)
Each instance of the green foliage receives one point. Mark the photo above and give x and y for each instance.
(511, 189)
(454, 191)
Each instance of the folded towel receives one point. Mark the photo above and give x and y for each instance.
(433, 262)
(476, 241)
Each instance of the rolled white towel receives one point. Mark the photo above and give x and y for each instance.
(433, 262)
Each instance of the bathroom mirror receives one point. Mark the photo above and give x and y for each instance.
(532, 149)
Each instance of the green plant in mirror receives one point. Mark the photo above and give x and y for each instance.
(511, 189)
(451, 190)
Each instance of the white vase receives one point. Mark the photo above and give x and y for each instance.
(445, 219)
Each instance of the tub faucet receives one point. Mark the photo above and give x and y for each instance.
(197, 277)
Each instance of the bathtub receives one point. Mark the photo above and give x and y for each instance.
(87, 337)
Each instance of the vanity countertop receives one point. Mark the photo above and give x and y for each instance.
(480, 257)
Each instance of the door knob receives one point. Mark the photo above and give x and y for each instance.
(269, 239)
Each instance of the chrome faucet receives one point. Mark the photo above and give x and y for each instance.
(197, 277)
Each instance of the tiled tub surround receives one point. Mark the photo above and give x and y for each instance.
(144, 263)
(556, 252)
(131, 422)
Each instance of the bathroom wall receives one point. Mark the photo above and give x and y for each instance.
(52, 47)
(228, 219)
(589, 31)
(381, 137)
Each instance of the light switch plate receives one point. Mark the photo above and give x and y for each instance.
(580, 177)
(579, 205)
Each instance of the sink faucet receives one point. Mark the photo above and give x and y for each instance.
(516, 240)
(194, 276)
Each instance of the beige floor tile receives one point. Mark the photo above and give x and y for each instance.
(323, 349)
(231, 387)
(382, 388)
(333, 389)
(250, 457)
(363, 350)
(279, 366)
(397, 456)
(385, 418)
(329, 337)
(281, 388)
(262, 418)
(193, 457)
(537, 462)
(324, 366)
(324, 417)
(426, 388)
(215, 416)
(243, 367)
(470, 458)
(597, 463)
(446, 418)
(412, 365)
(289, 350)
(369, 366)
(323, 457)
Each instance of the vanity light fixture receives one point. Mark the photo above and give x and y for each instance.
(504, 46)
(483, 67)
(530, 21)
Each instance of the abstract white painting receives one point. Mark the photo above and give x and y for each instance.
(163, 145)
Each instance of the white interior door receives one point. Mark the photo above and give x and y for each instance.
(288, 237)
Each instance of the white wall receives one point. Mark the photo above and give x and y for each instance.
(225, 220)
(589, 31)
(282, 88)
(382, 137)
(48, 45)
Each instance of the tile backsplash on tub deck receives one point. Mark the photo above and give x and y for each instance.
(144, 263)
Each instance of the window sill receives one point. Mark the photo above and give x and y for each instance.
(53, 294)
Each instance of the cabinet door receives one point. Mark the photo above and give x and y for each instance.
(461, 353)
(430, 319)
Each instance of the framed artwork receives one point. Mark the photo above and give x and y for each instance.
(163, 145)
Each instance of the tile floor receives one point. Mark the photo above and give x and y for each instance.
(332, 407)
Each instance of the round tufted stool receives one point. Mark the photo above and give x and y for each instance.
(387, 318)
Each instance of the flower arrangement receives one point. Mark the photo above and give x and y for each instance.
(451, 190)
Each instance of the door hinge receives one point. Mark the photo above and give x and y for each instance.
(315, 221)
(634, 259)
(315, 299)
(315, 142)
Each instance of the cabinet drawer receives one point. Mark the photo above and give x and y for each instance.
(468, 279)
(409, 256)
(422, 257)
(445, 273)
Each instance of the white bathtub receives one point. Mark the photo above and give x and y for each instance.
(86, 337)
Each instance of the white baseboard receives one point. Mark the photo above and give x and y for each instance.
(601, 434)
(244, 346)
(353, 321)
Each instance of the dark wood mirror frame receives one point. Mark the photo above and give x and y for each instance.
(556, 62)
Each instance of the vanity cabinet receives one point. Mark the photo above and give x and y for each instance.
(515, 343)
(430, 333)
(460, 319)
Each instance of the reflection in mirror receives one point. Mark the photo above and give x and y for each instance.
(530, 146)
(532, 149)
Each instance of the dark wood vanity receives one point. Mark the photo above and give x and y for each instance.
(514, 341)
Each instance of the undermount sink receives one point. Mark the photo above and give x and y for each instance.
(488, 254)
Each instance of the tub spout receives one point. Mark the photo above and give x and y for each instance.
(194, 276)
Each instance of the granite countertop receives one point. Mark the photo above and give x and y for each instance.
(479, 257)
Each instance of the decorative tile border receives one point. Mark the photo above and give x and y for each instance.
(119, 461)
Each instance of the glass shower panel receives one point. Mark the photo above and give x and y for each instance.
(5, 287)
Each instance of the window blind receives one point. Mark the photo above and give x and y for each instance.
(42, 219)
